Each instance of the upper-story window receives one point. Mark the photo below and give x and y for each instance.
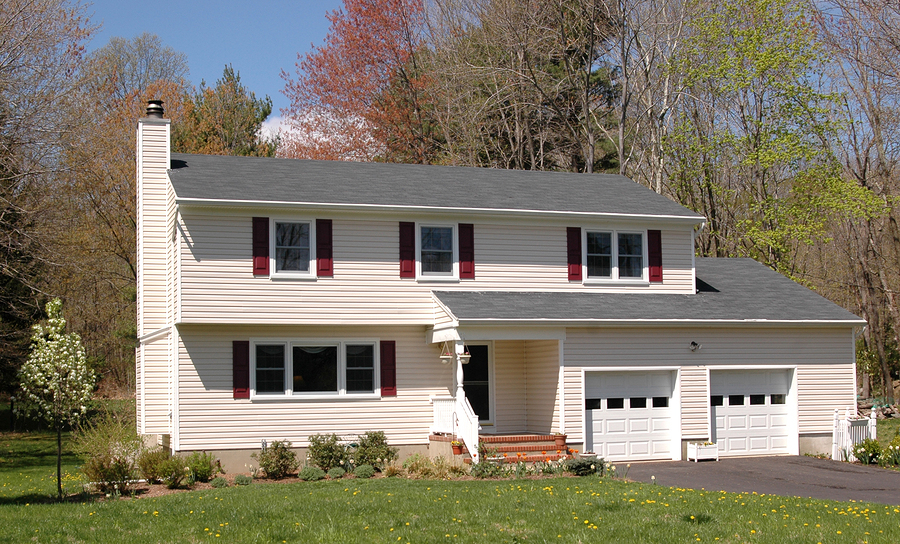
(293, 248)
(614, 255)
(438, 252)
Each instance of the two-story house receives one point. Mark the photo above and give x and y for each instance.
(280, 298)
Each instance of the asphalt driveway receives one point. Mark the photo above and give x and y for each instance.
(790, 476)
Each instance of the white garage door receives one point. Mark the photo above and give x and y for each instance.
(749, 411)
(628, 414)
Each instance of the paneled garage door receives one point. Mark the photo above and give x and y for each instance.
(749, 411)
(628, 414)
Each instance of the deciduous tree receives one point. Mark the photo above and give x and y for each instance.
(56, 382)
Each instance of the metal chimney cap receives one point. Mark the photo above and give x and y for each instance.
(155, 109)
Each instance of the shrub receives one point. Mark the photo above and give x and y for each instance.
(242, 479)
(336, 473)
(364, 471)
(311, 474)
(373, 449)
(202, 466)
(174, 472)
(326, 451)
(277, 460)
(868, 451)
(150, 462)
(584, 466)
(110, 445)
(219, 482)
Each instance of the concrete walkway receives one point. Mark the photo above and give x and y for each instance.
(790, 476)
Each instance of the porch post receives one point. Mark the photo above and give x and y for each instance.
(459, 350)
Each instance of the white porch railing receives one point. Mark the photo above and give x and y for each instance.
(848, 432)
(443, 414)
(466, 423)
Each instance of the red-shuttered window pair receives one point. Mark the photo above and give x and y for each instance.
(435, 251)
(602, 258)
(292, 247)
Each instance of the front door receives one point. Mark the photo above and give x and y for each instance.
(477, 382)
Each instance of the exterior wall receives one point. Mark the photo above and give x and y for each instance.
(153, 161)
(211, 419)
(824, 357)
(695, 414)
(156, 385)
(542, 385)
(510, 388)
(217, 285)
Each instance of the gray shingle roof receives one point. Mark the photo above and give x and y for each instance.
(255, 179)
(728, 290)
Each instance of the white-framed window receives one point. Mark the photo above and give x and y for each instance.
(314, 368)
(615, 255)
(293, 248)
(437, 251)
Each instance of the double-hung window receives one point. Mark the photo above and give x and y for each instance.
(615, 255)
(293, 248)
(438, 252)
(314, 368)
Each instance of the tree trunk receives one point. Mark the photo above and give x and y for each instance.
(59, 492)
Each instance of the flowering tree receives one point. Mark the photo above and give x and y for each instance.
(56, 382)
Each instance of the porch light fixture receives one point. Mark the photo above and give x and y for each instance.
(695, 346)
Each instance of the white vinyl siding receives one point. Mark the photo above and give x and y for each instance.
(211, 419)
(542, 385)
(509, 386)
(152, 235)
(156, 385)
(822, 388)
(695, 421)
(218, 285)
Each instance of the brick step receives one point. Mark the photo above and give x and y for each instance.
(510, 459)
(549, 447)
(512, 439)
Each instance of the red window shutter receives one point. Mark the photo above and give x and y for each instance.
(407, 250)
(573, 248)
(466, 251)
(324, 252)
(240, 359)
(654, 255)
(388, 368)
(260, 246)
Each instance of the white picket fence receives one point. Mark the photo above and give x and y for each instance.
(848, 432)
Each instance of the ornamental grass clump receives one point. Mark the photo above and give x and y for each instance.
(277, 460)
(55, 382)
(326, 452)
(585, 466)
(218, 482)
(242, 479)
(336, 473)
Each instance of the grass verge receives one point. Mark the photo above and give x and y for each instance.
(395, 510)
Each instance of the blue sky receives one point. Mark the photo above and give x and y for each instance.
(258, 38)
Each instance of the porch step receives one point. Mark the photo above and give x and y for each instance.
(528, 448)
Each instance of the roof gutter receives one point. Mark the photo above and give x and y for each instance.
(331, 206)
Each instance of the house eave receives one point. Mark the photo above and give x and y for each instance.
(407, 209)
(464, 322)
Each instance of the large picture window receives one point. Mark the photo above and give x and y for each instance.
(314, 368)
(613, 255)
